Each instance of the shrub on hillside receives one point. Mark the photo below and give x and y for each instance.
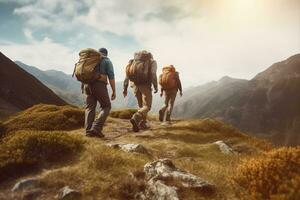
(274, 175)
(123, 114)
(28, 150)
(46, 117)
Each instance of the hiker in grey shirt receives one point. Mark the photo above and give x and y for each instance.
(97, 92)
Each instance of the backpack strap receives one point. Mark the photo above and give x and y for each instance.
(74, 70)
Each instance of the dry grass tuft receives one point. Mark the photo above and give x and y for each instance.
(101, 173)
(47, 118)
(27, 150)
(123, 114)
(273, 175)
(130, 187)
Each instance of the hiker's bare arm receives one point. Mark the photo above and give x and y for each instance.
(161, 92)
(113, 88)
(154, 76)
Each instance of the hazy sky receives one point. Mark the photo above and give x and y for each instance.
(204, 39)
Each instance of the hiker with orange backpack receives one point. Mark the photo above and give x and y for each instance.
(92, 70)
(141, 72)
(170, 84)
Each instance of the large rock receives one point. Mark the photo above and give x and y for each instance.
(26, 184)
(224, 148)
(66, 193)
(161, 176)
(164, 169)
(135, 148)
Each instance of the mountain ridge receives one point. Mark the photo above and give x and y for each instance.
(266, 104)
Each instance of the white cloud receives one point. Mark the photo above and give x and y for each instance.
(44, 54)
(204, 39)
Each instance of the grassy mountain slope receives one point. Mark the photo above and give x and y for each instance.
(102, 172)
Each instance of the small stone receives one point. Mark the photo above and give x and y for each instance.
(26, 184)
(224, 148)
(67, 193)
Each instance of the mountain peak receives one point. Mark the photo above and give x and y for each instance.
(287, 69)
(226, 78)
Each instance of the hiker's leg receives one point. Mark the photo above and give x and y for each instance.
(147, 102)
(139, 98)
(100, 91)
(162, 111)
(172, 97)
(90, 111)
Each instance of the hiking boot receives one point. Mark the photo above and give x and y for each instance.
(161, 116)
(144, 126)
(93, 133)
(135, 126)
(168, 118)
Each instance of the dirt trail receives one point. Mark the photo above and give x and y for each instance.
(116, 128)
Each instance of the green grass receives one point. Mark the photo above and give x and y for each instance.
(29, 150)
(47, 118)
(100, 172)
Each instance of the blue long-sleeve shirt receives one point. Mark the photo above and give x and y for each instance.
(106, 67)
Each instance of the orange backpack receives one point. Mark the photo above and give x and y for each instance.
(168, 79)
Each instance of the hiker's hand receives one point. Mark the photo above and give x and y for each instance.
(113, 96)
(181, 94)
(155, 90)
(125, 93)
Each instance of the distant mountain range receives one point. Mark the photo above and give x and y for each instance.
(69, 89)
(20, 90)
(62, 84)
(267, 104)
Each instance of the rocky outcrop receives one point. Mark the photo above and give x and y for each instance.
(163, 180)
(224, 148)
(133, 148)
(165, 169)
